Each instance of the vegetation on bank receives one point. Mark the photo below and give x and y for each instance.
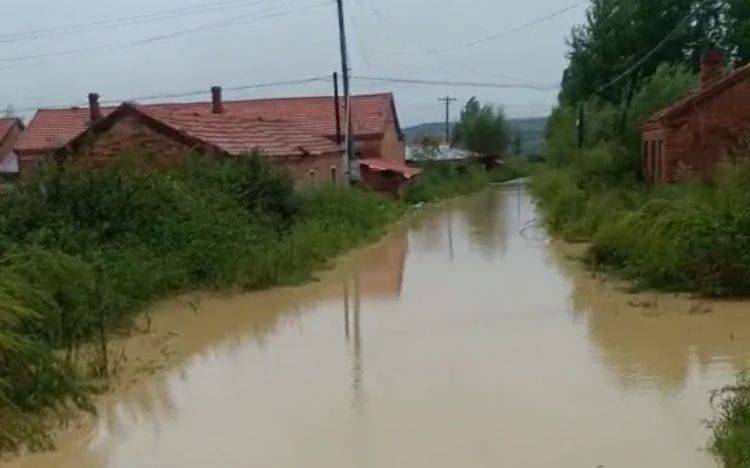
(439, 181)
(731, 427)
(690, 236)
(82, 252)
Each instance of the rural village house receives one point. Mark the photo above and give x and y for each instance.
(10, 130)
(692, 136)
(297, 133)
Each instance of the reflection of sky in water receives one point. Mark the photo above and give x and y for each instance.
(463, 339)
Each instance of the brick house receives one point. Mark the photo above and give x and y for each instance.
(10, 130)
(377, 132)
(165, 135)
(691, 137)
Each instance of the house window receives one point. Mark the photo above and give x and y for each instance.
(653, 160)
(313, 177)
(659, 159)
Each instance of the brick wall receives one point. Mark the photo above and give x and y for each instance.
(390, 146)
(131, 137)
(709, 134)
(313, 171)
(7, 144)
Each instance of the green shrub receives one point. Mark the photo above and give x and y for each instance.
(439, 181)
(82, 252)
(731, 428)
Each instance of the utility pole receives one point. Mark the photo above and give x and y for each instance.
(448, 101)
(349, 153)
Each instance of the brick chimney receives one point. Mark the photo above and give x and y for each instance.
(712, 66)
(217, 104)
(95, 111)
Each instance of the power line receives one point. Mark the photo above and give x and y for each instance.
(494, 37)
(471, 84)
(128, 21)
(184, 94)
(684, 22)
(226, 23)
(390, 26)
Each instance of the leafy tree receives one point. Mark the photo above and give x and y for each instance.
(738, 29)
(482, 129)
(618, 33)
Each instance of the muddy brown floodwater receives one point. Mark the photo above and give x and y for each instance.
(463, 339)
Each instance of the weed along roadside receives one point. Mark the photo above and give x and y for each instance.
(85, 252)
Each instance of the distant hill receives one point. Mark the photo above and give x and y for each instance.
(532, 132)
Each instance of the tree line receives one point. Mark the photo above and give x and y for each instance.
(618, 33)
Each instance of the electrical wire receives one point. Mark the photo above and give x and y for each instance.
(472, 84)
(242, 19)
(493, 37)
(128, 21)
(152, 97)
(683, 23)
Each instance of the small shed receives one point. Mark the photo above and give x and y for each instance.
(692, 136)
(387, 177)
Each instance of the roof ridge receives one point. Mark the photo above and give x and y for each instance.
(699, 95)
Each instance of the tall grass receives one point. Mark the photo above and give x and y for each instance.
(731, 428)
(82, 252)
(689, 237)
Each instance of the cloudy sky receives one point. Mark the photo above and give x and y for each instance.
(55, 52)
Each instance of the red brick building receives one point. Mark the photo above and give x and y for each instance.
(163, 136)
(10, 131)
(692, 136)
(377, 132)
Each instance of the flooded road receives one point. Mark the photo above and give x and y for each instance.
(463, 339)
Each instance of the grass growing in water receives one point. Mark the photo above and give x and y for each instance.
(731, 429)
(81, 253)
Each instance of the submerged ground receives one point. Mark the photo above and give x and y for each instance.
(465, 338)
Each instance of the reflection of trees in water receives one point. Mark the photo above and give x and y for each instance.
(486, 218)
(226, 324)
(477, 222)
(658, 338)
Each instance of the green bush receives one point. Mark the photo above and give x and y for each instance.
(439, 181)
(82, 252)
(731, 429)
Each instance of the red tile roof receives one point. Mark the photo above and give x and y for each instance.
(384, 165)
(700, 95)
(51, 129)
(225, 133)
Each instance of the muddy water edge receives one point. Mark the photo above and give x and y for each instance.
(464, 338)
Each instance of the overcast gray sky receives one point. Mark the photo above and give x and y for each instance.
(275, 40)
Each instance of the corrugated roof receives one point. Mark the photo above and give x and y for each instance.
(50, 129)
(227, 133)
(701, 95)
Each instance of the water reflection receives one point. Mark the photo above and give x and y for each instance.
(658, 339)
(467, 341)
